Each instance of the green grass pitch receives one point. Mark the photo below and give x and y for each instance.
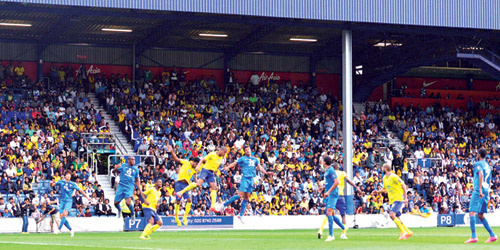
(424, 238)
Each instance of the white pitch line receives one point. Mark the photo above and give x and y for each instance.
(76, 245)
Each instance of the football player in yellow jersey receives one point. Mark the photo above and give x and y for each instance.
(396, 190)
(341, 205)
(184, 181)
(210, 164)
(153, 195)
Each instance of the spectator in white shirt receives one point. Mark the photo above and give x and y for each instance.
(314, 211)
(237, 177)
(198, 212)
(11, 172)
(419, 154)
(255, 79)
(357, 179)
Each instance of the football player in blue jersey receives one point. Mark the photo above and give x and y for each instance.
(480, 196)
(129, 178)
(248, 164)
(66, 190)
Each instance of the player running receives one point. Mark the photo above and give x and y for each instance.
(341, 204)
(331, 194)
(66, 189)
(210, 164)
(248, 164)
(479, 199)
(149, 209)
(184, 181)
(396, 190)
(129, 174)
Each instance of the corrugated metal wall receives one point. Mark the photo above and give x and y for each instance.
(481, 14)
(17, 52)
(88, 54)
(331, 65)
(271, 63)
(184, 59)
(162, 57)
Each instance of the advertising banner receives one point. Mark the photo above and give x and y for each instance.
(193, 223)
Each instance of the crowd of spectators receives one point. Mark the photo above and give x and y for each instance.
(287, 125)
(453, 137)
(44, 131)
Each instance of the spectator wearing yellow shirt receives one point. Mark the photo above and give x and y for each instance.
(304, 203)
(427, 150)
(19, 70)
(411, 141)
(61, 74)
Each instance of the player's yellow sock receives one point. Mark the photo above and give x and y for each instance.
(154, 228)
(408, 231)
(189, 187)
(398, 223)
(345, 228)
(213, 198)
(323, 224)
(177, 207)
(146, 230)
(188, 209)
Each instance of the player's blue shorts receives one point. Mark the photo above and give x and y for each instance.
(207, 175)
(396, 207)
(477, 204)
(179, 186)
(341, 205)
(66, 205)
(123, 193)
(246, 185)
(148, 213)
(331, 201)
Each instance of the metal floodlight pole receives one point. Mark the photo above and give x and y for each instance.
(347, 113)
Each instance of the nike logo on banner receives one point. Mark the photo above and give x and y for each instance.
(428, 84)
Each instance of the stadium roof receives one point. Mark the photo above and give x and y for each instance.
(56, 24)
(378, 47)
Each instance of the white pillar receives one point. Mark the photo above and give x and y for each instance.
(134, 61)
(347, 108)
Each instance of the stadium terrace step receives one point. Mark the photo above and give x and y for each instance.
(125, 147)
(358, 108)
(109, 193)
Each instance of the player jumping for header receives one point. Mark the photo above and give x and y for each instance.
(248, 164)
(210, 164)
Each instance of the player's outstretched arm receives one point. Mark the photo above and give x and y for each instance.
(84, 194)
(115, 168)
(381, 191)
(174, 156)
(138, 184)
(263, 170)
(230, 166)
(198, 167)
(352, 183)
